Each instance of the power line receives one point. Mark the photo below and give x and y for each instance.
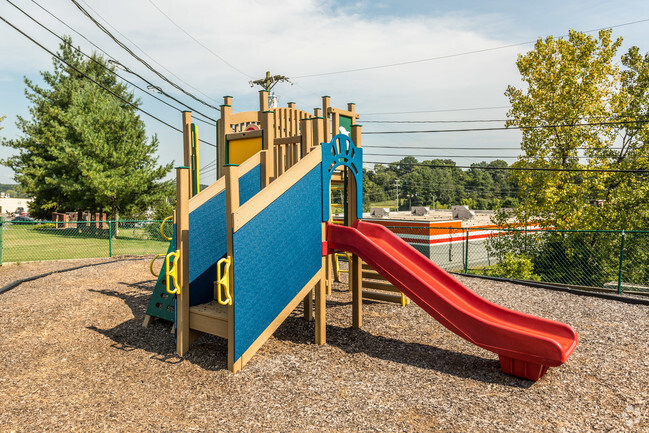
(439, 111)
(369, 154)
(128, 50)
(622, 122)
(436, 121)
(95, 82)
(120, 65)
(144, 52)
(492, 120)
(474, 148)
(199, 42)
(206, 166)
(102, 64)
(593, 170)
(448, 56)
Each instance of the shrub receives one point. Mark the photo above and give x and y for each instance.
(513, 267)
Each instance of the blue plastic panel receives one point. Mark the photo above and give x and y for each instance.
(341, 150)
(275, 255)
(208, 238)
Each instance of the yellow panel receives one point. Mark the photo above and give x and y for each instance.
(240, 150)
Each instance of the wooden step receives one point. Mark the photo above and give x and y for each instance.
(211, 317)
(380, 285)
(372, 275)
(385, 297)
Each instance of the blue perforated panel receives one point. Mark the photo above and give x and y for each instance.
(208, 238)
(275, 255)
(249, 184)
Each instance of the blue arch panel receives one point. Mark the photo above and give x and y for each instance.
(341, 151)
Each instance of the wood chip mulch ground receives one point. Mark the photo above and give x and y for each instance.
(75, 357)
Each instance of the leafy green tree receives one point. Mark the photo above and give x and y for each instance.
(571, 82)
(566, 82)
(83, 148)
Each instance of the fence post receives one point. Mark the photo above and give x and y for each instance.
(619, 275)
(466, 253)
(2, 237)
(110, 239)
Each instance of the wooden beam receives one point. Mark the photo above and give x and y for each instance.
(244, 134)
(288, 140)
(231, 206)
(345, 113)
(385, 297)
(356, 265)
(182, 244)
(308, 306)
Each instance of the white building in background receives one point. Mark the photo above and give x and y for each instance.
(9, 205)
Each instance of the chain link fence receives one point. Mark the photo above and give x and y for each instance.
(613, 260)
(23, 241)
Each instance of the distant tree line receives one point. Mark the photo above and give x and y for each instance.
(425, 183)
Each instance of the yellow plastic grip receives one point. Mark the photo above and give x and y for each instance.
(162, 226)
(223, 281)
(151, 265)
(173, 272)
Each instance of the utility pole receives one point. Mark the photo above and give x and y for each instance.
(268, 83)
(396, 183)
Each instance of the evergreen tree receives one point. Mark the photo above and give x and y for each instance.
(83, 148)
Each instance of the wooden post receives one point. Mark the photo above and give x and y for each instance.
(335, 123)
(326, 103)
(263, 162)
(356, 265)
(268, 143)
(308, 306)
(351, 107)
(183, 339)
(224, 127)
(321, 299)
(231, 205)
(187, 138)
(263, 100)
(306, 130)
(280, 161)
(319, 137)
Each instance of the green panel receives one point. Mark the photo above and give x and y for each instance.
(345, 122)
(161, 304)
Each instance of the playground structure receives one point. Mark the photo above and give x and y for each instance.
(252, 246)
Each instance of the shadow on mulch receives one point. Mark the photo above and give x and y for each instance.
(208, 352)
(352, 341)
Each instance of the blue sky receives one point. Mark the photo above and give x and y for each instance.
(299, 38)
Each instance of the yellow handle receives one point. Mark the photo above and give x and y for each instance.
(162, 225)
(173, 272)
(223, 281)
(151, 265)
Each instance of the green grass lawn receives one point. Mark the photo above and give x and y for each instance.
(386, 203)
(23, 243)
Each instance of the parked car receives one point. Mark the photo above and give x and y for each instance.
(23, 218)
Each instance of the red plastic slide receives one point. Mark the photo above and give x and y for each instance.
(526, 345)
